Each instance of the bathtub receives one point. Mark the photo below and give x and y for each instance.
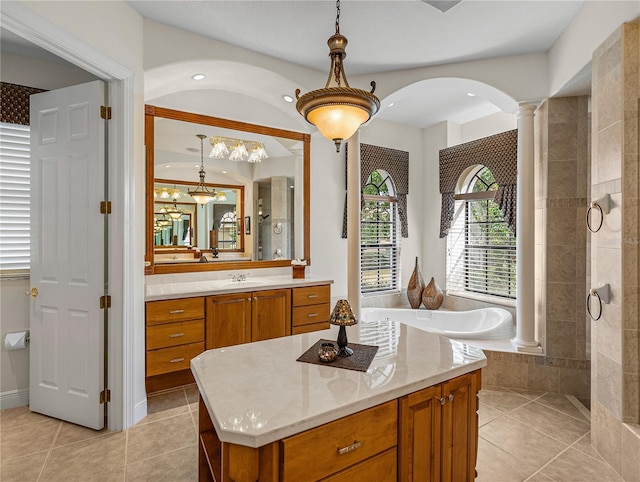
(480, 324)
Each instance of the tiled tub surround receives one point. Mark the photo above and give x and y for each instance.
(615, 401)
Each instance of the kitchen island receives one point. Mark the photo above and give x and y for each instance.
(412, 416)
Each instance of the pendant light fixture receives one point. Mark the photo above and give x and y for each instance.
(337, 110)
(202, 194)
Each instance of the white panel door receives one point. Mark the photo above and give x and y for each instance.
(67, 254)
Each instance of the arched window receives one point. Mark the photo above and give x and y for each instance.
(481, 250)
(380, 241)
(227, 234)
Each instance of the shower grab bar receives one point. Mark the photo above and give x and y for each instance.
(603, 205)
(603, 294)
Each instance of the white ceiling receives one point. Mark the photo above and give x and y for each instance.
(383, 36)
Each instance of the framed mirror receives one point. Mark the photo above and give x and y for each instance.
(223, 194)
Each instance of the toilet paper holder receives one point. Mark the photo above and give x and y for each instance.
(12, 341)
(603, 294)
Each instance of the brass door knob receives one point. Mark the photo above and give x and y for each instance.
(33, 292)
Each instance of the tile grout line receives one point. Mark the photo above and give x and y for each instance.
(53, 444)
(581, 408)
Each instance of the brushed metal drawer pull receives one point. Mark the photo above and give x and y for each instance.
(350, 448)
(312, 315)
(176, 335)
(176, 312)
(176, 360)
(312, 296)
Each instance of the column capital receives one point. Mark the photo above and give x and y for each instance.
(526, 108)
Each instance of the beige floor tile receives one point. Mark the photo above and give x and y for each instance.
(486, 413)
(503, 400)
(495, 465)
(14, 417)
(574, 466)
(192, 393)
(520, 440)
(563, 404)
(584, 446)
(538, 477)
(86, 459)
(111, 475)
(159, 437)
(530, 394)
(70, 433)
(194, 418)
(165, 405)
(28, 439)
(550, 422)
(180, 465)
(23, 469)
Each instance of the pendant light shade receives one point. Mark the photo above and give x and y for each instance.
(337, 110)
(202, 194)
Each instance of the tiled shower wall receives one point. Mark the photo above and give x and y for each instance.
(614, 251)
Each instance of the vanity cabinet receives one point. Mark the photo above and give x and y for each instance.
(428, 435)
(311, 309)
(174, 335)
(244, 317)
(439, 432)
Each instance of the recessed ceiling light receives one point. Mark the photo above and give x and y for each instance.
(196, 165)
(287, 98)
(470, 94)
(391, 105)
(167, 165)
(198, 76)
(224, 172)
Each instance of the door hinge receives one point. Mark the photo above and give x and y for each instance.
(105, 396)
(105, 207)
(105, 112)
(105, 302)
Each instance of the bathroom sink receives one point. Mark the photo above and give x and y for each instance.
(249, 283)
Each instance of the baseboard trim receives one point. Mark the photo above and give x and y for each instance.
(14, 398)
(140, 411)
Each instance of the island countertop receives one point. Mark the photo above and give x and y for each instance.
(258, 393)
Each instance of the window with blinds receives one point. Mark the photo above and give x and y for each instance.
(481, 251)
(14, 199)
(379, 239)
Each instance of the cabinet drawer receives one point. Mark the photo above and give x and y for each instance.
(325, 450)
(173, 334)
(306, 315)
(172, 359)
(299, 330)
(381, 468)
(168, 311)
(311, 295)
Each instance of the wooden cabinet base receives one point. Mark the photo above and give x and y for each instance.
(169, 380)
(428, 435)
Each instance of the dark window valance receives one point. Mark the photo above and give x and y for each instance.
(15, 103)
(396, 163)
(500, 154)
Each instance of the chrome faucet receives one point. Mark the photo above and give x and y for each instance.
(238, 277)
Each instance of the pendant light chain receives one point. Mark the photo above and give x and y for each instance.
(338, 16)
(337, 68)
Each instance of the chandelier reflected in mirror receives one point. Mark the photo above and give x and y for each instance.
(237, 149)
(202, 194)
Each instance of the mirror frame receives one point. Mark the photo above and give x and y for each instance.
(151, 112)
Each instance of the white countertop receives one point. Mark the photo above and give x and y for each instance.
(258, 393)
(189, 289)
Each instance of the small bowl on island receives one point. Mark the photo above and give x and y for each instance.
(327, 352)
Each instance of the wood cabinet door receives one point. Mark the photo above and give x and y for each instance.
(270, 314)
(419, 444)
(460, 428)
(228, 320)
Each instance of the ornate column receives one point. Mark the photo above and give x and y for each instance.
(353, 223)
(525, 339)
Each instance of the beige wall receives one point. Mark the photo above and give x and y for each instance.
(614, 250)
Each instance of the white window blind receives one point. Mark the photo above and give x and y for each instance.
(379, 247)
(481, 251)
(14, 199)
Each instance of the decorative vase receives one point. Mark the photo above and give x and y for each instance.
(415, 287)
(432, 296)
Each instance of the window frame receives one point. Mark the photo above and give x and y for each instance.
(385, 194)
